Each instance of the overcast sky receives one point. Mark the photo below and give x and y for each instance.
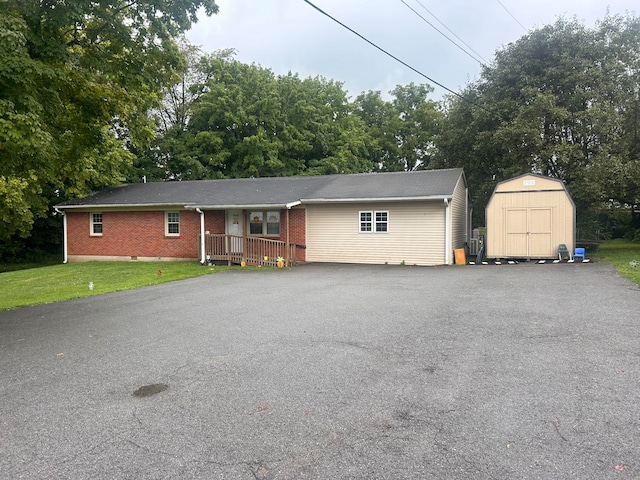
(289, 35)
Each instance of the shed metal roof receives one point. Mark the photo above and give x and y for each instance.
(276, 191)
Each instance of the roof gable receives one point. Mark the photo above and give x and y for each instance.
(529, 182)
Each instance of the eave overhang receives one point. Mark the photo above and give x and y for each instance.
(375, 199)
(127, 206)
(245, 206)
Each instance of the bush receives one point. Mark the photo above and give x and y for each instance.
(632, 235)
(607, 225)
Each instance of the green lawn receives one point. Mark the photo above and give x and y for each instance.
(622, 255)
(63, 282)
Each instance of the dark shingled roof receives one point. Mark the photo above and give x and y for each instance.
(276, 191)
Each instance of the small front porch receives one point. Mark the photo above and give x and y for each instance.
(255, 251)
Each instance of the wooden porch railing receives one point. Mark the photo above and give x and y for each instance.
(234, 248)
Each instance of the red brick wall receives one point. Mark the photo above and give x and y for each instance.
(214, 221)
(297, 232)
(138, 234)
(141, 234)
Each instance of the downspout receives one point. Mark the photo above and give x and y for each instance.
(286, 251)
(203, 260)
(245, 228)
(467, 220)
(447, 234)
(64, 234)
(287, 247)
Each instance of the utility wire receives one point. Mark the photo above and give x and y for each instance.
(396, 58)
(440, 32)
(452, 32)
(518, 21)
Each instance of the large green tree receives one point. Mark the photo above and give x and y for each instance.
(76, 82)
(170, 146)
(561, 101)
(246, 121)
(403, 127)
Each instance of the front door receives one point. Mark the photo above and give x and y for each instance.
(540, 233)
(528, 232)
(235, 227)
(517, 233)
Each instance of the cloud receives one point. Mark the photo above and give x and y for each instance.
(289, 35)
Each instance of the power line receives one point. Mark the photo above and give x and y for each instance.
(518, 21)
(437, 30)
(451, 31)
(394, 57)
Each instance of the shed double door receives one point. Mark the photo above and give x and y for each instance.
(528, 233)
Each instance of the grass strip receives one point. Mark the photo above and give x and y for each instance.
(622, 255)
(64, 282)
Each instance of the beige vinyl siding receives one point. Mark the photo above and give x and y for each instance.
(529, 221)
(459, 214)
(535, 184)
(416, 234)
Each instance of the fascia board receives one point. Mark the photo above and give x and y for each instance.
(146, 206)
(114, 206)
(375, 199)
(261, 206)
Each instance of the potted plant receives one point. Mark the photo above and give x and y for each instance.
(280, 262)
(243, 263)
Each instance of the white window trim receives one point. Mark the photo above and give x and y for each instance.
(264, 225)
(92, 224)
(374, 223)
(166, 224)
(360, 230)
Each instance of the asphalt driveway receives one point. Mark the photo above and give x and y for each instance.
(330, 372)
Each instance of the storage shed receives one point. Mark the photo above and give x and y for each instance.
(529, 217)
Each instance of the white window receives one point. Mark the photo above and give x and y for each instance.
(172, 223)
(96, 224)
(374, 222)
(255, 223)
(366, 222)
(264, 223)
(382, 222)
